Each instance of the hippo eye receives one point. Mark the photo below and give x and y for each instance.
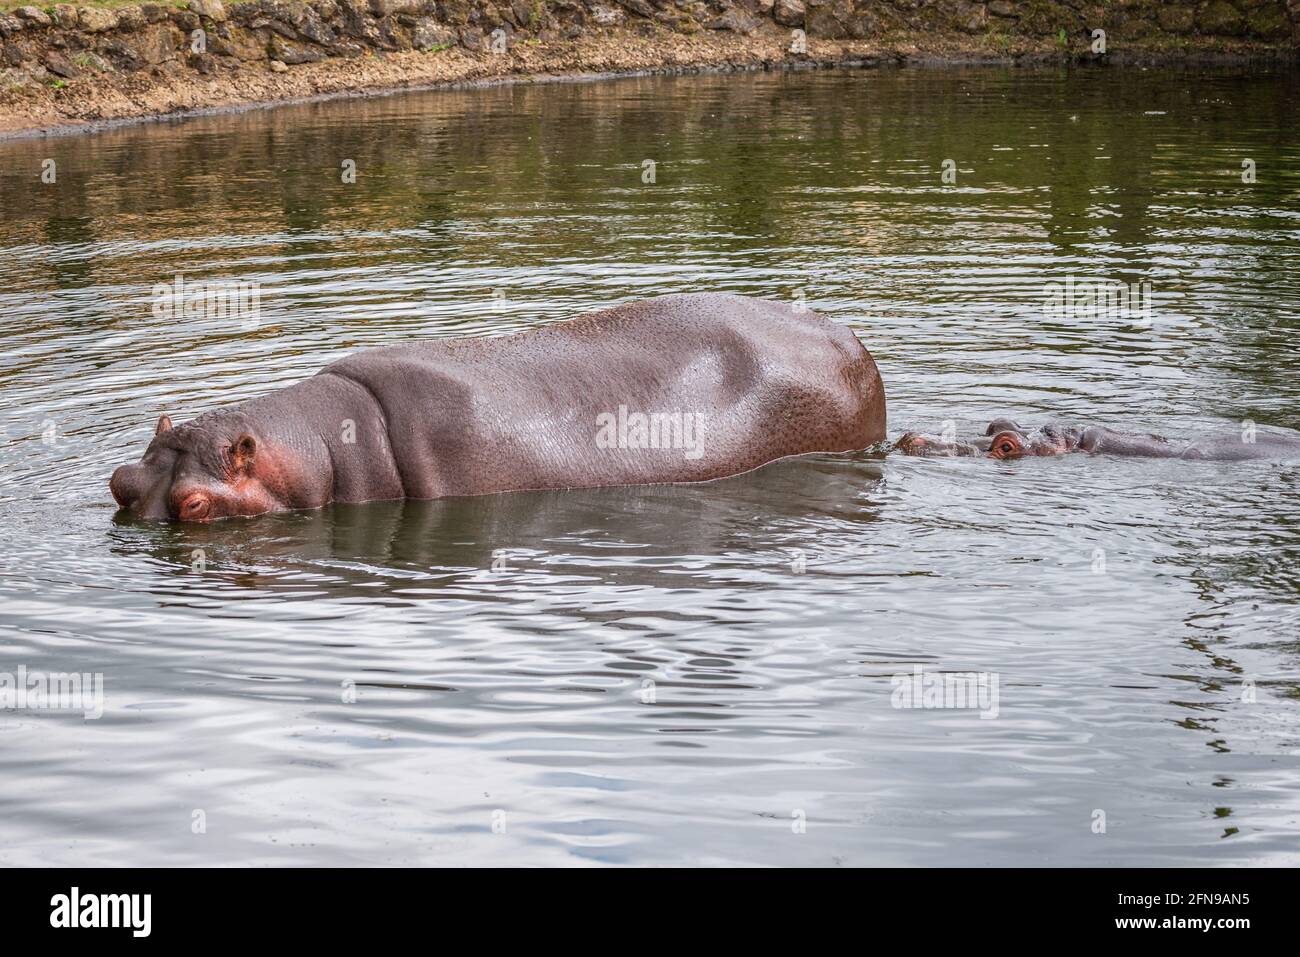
(195, 507)
(1006, 448)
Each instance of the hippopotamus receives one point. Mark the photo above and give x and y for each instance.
(683, 388)
(1004, 439)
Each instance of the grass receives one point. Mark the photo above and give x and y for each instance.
(89, 62)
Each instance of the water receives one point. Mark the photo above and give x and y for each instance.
(645, 677)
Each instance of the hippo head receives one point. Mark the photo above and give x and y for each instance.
(197, 472)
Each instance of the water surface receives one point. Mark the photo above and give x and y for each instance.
(677, 674)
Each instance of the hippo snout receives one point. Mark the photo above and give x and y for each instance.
(125, 485)
(136, 488)
(916, 443)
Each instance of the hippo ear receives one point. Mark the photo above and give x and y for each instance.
(243, 452)
(164, 425)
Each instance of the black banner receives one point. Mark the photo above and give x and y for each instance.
(335, 906)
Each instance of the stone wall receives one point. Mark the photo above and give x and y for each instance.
(63, 43)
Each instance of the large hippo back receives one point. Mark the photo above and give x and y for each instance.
(757, 380)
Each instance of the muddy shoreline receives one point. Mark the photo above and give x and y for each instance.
(470, 81)
(94, 126)
(71, 73)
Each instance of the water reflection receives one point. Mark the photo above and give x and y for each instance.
(453, 546)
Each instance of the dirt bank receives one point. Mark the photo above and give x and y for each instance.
(64, 67)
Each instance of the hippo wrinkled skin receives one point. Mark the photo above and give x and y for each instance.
(1004, 439)
(671, 389)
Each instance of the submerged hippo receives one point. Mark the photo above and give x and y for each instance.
(1007, 440)
(673, 389)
